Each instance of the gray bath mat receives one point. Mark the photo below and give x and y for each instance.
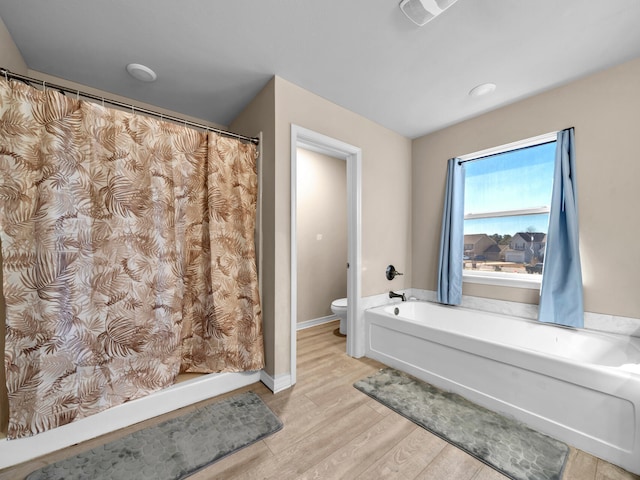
(504, 444)
(173, 449)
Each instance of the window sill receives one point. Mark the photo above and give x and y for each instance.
(514, 280)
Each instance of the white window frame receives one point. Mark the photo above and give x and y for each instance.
(514, 280)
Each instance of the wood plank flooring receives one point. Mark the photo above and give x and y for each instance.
(333, 431)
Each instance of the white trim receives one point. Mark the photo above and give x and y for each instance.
(315, 322)
(293, 314)
(317, 142)
(277, 384)
(515, 280)
(355, 313)
(528, 142)
(13, 452)
(509, 213)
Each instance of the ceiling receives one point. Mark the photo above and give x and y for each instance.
(212, 56)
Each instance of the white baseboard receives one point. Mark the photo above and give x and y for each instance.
(13, 452)
(277, 384)
(315, 321)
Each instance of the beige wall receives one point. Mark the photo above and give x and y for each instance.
(386, 198)
(605, 111)
(386, 179)
(10, 57)
(321, 233)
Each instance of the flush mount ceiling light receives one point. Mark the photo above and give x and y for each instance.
(481, 90)
(140, 72)
(421, 11)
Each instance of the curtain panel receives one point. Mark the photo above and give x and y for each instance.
(223, 328)
(561, 295)
(452, 236)
(128, 256)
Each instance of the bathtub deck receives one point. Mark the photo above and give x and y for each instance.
(334, 431)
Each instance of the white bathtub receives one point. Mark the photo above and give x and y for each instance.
(578, 386)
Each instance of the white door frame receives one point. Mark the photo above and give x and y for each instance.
(317, 142)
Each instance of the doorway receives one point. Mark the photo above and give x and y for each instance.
(319, 143)
(321, 230)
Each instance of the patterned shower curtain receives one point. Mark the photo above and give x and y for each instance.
(128, 256)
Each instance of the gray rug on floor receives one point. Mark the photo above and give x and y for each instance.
(175, 448)
(504, 444)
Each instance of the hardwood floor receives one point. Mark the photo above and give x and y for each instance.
(333, 431)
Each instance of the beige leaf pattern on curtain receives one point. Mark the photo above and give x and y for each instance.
(122, 263)
(225, 333)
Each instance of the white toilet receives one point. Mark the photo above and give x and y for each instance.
(339, 309)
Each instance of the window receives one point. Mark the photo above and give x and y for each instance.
(506, 212)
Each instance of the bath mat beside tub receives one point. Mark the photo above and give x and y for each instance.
(175, 448)
(504, 444)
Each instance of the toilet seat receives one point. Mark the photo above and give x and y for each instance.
(339, 303)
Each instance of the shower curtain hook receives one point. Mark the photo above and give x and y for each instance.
(6, 76)
(78, 95)
(44, 86)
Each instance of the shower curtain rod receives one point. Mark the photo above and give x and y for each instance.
(7, 74)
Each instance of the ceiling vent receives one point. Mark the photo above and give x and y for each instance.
(421, 11)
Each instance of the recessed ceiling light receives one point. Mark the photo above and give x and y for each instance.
(484, 89)
(142, 73)
(422, 11)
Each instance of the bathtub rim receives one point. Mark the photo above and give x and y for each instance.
(632, 341)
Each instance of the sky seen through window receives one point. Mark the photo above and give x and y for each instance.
(514, 180)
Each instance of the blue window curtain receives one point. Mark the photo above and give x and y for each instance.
(452, 237)
(561, 293)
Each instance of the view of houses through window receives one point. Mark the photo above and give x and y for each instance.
(506, 214)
